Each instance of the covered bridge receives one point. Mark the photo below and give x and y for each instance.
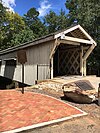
(61, 53)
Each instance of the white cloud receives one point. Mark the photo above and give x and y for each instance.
(44, 7)
(10, 4)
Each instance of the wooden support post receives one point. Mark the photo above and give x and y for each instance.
(58, 61)
(51, 69)
(53, 50)
(88, 52)
(23, 78)
(84, 64)
(37, 71)
(81, 61)
(56, 44)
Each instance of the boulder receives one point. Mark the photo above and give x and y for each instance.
(78, 93)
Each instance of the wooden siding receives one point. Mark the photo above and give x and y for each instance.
(36, 55)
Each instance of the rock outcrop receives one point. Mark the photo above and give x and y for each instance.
(74, 92)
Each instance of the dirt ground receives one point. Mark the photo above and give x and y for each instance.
(84, 124)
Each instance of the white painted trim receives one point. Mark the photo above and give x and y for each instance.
(88, 36)
(81, 61)
(9, 59)
(74, 28)
(84, 67)
(66, 31)
(44, 124)
(49, 122)
(73, 39)
(2, 70)
(69, 42)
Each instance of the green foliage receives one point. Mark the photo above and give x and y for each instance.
(2, 14)
(38, 28)
(71, 5)
(84, 12)
(55, 22)
(50, 21)
(34, 23)
(2, 24)
(23, 36)
(13, 24)
(17, 29)
(87, 14)
(10, 24)
(31, 15)
(62, 20)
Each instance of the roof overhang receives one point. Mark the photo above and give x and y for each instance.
(75, 35)
(63, 36)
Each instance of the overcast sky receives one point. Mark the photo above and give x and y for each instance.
(43, 6)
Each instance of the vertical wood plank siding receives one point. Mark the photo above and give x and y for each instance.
(37, 54)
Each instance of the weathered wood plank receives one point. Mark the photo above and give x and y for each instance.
(73, 39)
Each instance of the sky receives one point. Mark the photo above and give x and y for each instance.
(43, 6)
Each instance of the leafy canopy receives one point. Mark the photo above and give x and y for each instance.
(87, 14)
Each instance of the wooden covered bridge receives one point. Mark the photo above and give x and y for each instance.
(61, 53)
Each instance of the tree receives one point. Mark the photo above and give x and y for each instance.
(87, 14)
(51, 21)
(10, 24)
(13, 24)
(15, 29)
(62, 20)
(55, 22)
(71, 5)
(34, 23)
(2, 24)
(31, 15)
(38, 28)
(23, 36)
(84, 12)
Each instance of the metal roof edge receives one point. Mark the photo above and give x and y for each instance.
(28, 44)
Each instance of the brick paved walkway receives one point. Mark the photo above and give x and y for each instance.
(19, 110)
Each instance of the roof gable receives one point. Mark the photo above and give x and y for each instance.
(77, 32)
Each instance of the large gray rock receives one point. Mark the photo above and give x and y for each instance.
(80, 93)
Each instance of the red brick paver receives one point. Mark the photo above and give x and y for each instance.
(19, 110)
